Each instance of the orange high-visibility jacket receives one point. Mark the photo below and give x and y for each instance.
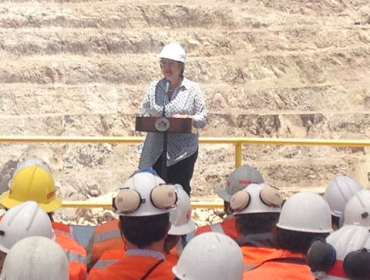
(113, 256)
(106, 237)
(62, 229)
(76, 256)
(134, 268)
(254, 256)
(281, 265)
(227, 227)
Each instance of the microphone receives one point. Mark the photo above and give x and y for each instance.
(166, 89)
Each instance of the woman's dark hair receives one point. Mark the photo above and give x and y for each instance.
(256, 223)
(182, 71)
(297, 242)
(144, 231)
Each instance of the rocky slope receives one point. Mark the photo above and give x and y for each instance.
(288, 69)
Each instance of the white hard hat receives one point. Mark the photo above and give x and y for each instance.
(21, 221)
(180, 218)
(35, 258)
(348, 239)
(357, 211)
(30, 162)
(238, 180)
(306, 212)
(339, 192)
(327, 260)
(256, 198)
(173, 51)
(145, 194)
(210, 256)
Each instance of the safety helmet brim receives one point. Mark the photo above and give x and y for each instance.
(224, 194)
(9, 203)
(183, 229)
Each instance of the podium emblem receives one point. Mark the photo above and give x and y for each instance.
(162, 124)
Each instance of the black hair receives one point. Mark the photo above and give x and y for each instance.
(256, 222)
(51, 216)
(182, 71)
(297, 242)
(146, 230)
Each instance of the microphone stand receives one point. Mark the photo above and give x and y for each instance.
(165, 136)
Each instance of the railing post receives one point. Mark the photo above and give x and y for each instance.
(238, 155)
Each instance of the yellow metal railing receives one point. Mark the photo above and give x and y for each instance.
(236, 141)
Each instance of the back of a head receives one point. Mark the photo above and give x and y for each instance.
(35, 258)
(339, 192)
(210, 256)
(304, 217)
(357, 211)
(327, 260)
(143, 204)
(180, 217)
(32, 183)
(238, 180)
(144, 194)
(22, 221)
(257, 208)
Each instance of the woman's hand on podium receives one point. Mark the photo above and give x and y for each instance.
(181, 116)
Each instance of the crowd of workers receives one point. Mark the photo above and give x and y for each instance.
(306, 236)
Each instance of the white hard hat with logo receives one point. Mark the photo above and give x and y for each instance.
(144, 194)
(339, 192)
(180, 218)
(238, 180)
(212, 256)
(173, 51)
(306, 212)
(357, 211)
(35, 258)
(24, 220)
(256, 198)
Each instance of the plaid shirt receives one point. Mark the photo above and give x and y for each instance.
(187, 99)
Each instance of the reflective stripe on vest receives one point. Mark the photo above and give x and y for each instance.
(249, 267)
(217, 228)
(75, 257)
(114, 233)
(102, 264)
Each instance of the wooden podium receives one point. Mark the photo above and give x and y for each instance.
(164, 125)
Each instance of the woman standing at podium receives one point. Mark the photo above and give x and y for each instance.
(173, 96)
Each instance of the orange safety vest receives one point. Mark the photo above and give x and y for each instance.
(106, 237)
(281, 265)
(113, 256)
(172, 257)
(254, 256)
(227, 227)
(76, 256)
(135, 268)
(62, 229)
